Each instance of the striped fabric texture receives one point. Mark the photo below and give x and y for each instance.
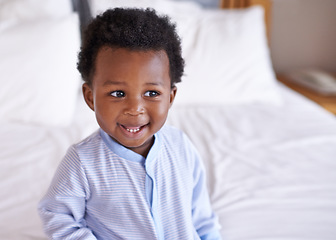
(103, 190)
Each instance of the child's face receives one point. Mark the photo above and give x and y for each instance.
(131, 94)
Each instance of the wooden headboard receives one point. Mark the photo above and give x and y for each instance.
(267, 5)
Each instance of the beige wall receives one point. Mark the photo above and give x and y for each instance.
(303, 34)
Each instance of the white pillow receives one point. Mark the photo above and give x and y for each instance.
(226, 52)
(32, 9)
(162, 6)
(227, 58)
(15, 11)
(39, 80)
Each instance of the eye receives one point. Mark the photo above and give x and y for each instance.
(151, 94)
(117, 94)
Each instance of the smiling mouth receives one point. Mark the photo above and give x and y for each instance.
(133, 129)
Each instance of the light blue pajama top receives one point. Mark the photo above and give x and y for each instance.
(103, 190)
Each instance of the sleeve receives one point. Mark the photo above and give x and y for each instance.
(204, 219)
(62, 209)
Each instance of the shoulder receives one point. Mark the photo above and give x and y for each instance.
(168, 130)
(91, 139)
(87, 146)
(177, 141)
(89, 142)
(173, 135)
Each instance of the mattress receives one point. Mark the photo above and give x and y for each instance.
(271, 170)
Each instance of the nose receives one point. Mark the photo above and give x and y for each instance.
(134, 107)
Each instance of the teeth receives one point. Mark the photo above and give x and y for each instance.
(133, 130)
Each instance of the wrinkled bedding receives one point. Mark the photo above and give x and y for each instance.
(271, 169)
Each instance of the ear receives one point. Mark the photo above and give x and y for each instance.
(172, 95)
(88, 95)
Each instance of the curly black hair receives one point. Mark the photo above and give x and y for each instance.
(133, 29)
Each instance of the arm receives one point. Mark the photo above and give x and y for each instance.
(205, 221)
(62, 210)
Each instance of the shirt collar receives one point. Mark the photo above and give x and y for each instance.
(128, 154)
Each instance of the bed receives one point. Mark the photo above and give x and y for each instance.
(269, 153)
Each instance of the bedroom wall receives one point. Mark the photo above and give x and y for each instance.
(303, 34)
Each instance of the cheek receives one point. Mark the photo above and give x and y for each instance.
(104, 111)
(161, 111)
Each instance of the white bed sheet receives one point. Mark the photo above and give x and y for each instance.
(271, 169)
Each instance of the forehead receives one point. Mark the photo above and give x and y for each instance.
(121, 64)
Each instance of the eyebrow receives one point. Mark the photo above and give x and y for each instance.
(154, 83)
(109, 82)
